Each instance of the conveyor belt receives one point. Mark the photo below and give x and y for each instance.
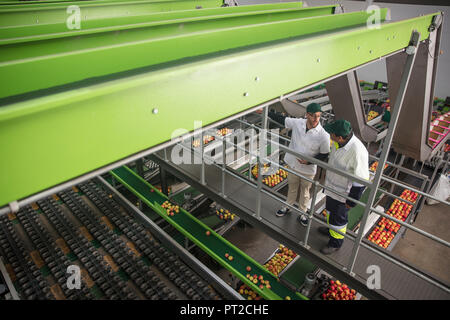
(396, 282)
(214, 245)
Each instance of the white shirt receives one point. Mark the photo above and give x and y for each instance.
(310, 143)
(352, 158)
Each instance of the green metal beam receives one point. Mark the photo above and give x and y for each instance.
(157, 43)
(58, 13)
(41, 5)
(51, 139)
(23, 3)
(21, 31)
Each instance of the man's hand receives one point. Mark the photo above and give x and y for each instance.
(259, 111)
(348, 207)
(302, 161)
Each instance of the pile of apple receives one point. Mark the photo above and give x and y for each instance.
(223, 132)
(171, 209)
(374, 166)
(245, 291)
(258, 279)
(339, 291)
(386, 229)
(372, 115)
(381, 236)
(206, 139)
(409, 195)
(280, 260)
(224, 214)
(273, 179)
(265, 169)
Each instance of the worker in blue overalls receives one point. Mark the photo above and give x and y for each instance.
(349, 154)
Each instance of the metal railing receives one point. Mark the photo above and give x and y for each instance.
(226, 141)
(373, 186)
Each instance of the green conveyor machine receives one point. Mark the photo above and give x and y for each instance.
(87, 86)
(208, 240)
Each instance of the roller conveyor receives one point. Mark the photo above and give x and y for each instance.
(119, 258)
(397, 283)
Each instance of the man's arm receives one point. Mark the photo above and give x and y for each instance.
(361, 170)
(320, 156)
(355, 193)
(278, 117)
(324, 150)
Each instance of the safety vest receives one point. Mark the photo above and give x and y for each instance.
(332, 228)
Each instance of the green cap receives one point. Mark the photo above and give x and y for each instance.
(340, 128)
(313, 108)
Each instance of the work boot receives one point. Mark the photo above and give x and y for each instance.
(324, 230)
(303, 219)
(282, 212)
(328, 250)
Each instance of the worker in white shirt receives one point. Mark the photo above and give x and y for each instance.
(309, 138)
(349, 154)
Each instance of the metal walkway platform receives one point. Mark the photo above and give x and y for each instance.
(396, 282)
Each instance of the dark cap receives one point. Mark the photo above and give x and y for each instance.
(341, 128)
(313, 108)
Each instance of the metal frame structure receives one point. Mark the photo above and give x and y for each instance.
(373, 186)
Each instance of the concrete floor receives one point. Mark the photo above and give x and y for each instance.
(422, 252)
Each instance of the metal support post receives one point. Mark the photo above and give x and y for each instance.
(402, 159)
(202, 147)
(264, 115)
(411, 50)
(163, 178)
(250, 155)
(312, 210)
(259, 188)
(262, 153)
(140, 171)
(224, 164)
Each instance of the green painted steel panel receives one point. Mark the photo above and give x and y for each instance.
(156, 44)
(38, 5)
(22, 3)
(44, 14)
(60, 26)
(48, 140)
(214, 244)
